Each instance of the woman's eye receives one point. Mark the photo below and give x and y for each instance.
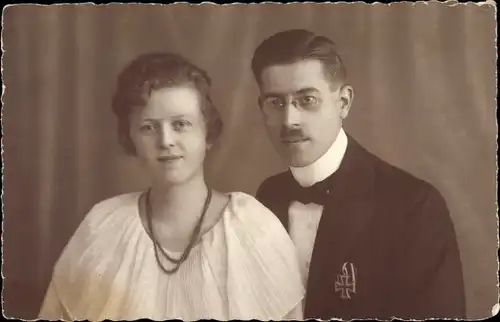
(181, 125)
(147, 127)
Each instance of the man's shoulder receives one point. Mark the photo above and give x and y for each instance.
(276, 180)
(390, 178)
(407, 201)
(401, 191)
(274, 188)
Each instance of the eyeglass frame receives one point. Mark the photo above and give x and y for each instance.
(291, 99)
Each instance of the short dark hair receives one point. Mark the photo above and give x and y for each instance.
(298, 44)
(154, 71)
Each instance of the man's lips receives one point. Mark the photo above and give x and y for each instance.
(293, 140)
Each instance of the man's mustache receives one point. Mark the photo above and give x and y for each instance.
(287, 134)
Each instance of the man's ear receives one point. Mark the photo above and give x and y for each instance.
(346, 96)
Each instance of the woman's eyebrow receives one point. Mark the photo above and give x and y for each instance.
(177, 116)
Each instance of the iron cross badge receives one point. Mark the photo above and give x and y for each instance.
(346, 281)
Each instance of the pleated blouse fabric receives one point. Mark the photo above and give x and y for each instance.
(245, 267)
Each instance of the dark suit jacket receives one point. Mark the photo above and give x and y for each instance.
(396, 231)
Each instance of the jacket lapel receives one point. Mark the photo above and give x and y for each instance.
(346, 215)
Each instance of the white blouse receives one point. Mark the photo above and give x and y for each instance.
(245, 267)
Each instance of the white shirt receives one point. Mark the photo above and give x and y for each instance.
(304, 219)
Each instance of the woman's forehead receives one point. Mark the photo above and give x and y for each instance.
(172, 102)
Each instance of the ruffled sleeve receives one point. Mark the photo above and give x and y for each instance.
(263, 278)
(52, 308)
(76, 288)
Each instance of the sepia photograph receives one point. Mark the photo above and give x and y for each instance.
(261, 161)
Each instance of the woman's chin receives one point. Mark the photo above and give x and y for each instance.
(170, 178)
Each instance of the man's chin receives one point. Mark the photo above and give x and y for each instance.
(297, 161)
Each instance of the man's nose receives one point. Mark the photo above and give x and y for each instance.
(291, 117)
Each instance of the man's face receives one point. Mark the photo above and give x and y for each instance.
(302, 110)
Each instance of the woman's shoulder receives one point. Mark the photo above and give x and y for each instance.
(104, 218)
(262, 257)
(242, 201)
(115, 202)
(111, 205)
(246, 207)
(99, 246)
(251, 218)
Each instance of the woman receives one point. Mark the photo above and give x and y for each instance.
(179, 249)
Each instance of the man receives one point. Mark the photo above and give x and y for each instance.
(373, 241)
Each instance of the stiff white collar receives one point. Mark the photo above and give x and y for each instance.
(327, 164)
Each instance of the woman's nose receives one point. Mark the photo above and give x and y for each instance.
(167, 137)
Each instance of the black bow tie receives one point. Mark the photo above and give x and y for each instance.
(316, 193)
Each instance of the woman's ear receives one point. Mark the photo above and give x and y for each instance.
(127, 144)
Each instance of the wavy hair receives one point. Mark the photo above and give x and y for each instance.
(154, 71)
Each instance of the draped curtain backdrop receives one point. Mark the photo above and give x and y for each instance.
(424, 76)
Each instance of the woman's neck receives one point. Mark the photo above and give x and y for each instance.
(178, 205)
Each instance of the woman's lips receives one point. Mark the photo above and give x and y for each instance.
(169, 158)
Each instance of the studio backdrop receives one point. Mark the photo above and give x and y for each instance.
(425, 100)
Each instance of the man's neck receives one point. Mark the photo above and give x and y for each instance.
(325, 166)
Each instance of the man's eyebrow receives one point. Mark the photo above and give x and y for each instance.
(270, 94)
(306, 90)
(300, 92)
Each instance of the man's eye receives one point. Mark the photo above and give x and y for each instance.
(274, 102)
(308, 100)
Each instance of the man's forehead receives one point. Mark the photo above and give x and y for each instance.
(294, 77)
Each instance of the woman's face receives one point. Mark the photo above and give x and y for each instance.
(169, 135)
